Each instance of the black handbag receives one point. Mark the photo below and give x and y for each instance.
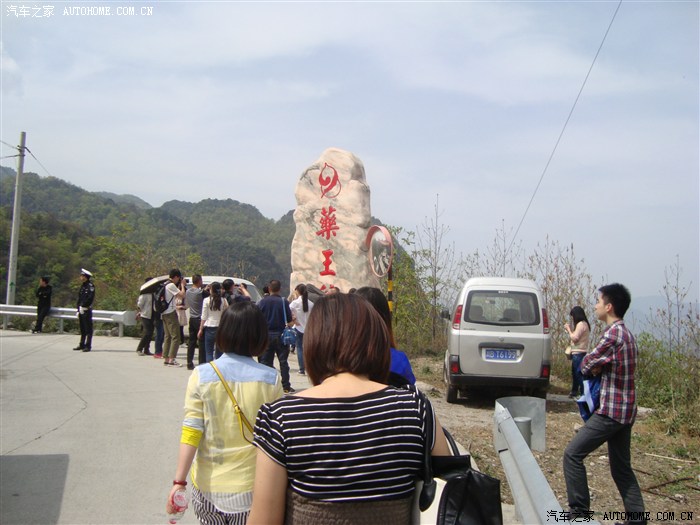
(469, 496)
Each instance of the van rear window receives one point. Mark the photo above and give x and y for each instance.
(502, 307)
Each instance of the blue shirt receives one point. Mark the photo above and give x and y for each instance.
(400, 365)
(274, 308)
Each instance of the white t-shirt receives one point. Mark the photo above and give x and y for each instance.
(171, 290)
(210, 316)
(299, 314)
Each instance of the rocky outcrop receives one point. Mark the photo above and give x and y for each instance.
(332, 218)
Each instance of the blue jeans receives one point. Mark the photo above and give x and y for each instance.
(598, 430)
(576, 377)
(209, 340)
(160, 335)
(300, 350)
(275, 347)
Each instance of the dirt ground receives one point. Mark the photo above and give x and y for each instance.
(667, 467)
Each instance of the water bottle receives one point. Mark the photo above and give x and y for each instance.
(179, 503)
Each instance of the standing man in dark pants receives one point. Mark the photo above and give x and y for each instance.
(160, 335)
(174, 289)
(276, 309)
(145, 314)
(194, 297)
(86, 297)
(615, 359)
(43, 306)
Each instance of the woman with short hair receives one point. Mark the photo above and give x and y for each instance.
(214, 442)
(350, 448)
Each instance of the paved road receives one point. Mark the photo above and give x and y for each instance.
(88, 438)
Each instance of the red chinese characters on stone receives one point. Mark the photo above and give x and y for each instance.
(330, 188)
(330, 183)
(327, 263)
(328, 223)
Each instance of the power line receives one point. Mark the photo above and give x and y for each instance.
(28, 151)
(40, 164)
(10, 145)
(556, 145)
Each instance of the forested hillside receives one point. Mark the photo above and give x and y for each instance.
(123, 240)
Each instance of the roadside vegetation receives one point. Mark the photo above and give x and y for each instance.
(428, 274)
(122, 244)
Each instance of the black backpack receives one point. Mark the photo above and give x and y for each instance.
(160, 304)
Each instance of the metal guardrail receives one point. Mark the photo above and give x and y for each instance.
(122, 319)
(535, 502)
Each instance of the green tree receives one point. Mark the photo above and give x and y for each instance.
(411, 309)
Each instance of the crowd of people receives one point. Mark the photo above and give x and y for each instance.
(229, 460)
(349, 448)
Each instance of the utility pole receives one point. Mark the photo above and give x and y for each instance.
(14, 239)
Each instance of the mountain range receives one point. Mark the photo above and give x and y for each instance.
(62, 223)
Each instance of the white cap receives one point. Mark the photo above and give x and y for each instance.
(83, 271)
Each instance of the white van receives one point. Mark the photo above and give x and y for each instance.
(498, 337)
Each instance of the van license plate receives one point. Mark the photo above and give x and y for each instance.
(495, 354)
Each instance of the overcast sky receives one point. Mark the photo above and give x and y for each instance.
(194, 100)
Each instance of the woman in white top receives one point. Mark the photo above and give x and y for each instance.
(301, 308)
(212, 308)
(580, 338)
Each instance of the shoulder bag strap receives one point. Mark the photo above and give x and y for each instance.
(427, 494)
(284, 312)
(242, 420)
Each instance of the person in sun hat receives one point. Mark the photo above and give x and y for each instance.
(86, 298)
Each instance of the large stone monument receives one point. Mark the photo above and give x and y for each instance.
(332, 220)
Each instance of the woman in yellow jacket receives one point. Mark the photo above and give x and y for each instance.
(215, 443)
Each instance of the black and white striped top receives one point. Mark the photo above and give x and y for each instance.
(366, 448)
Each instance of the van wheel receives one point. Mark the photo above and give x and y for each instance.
(452, 394)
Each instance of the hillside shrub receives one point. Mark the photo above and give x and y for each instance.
(669, 382)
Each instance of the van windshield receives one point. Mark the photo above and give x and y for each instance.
(502, 307)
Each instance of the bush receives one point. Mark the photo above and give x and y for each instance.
(669, 382)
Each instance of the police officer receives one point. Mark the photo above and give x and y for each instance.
(86, 296)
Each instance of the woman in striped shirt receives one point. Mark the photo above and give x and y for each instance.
(351, 447)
